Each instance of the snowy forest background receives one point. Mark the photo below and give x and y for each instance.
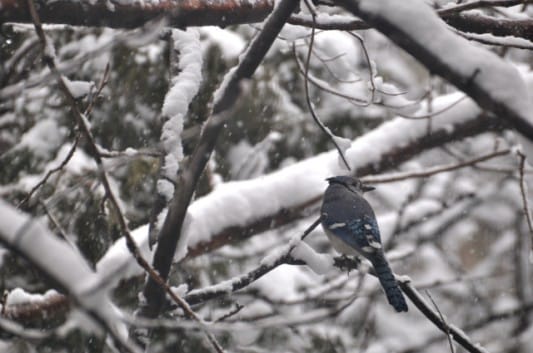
(150, 141)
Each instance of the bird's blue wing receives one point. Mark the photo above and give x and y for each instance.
(361, 233)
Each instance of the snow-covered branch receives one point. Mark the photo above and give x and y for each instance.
(454, 16)
(132, 14)
(224, 98)
(494, 84)
(520, 28)
(298, 187)
(297, 252)
(69, 270)
(115, 14)
(291, 190)
(186, 71)
(183, 87)
(286, 255)
(174, 111)
(230, 264)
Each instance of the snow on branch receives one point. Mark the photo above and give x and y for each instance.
(63, 265)
(476, 23)
(132, 14)
(21, 307)
(494, 84)
(222, 13)
(184, 86)
(292, 189)
(437, 319)
(297, 252)
(226, 95)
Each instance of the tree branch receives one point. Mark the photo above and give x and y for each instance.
(473, 23)
(497, 26)
(188, 177)
(116, 14)
(457, 334)
(477, 72)
(27, 237)
(52, 306)
(227, 12)
(202, 295)
(384, 159)
(285, 257)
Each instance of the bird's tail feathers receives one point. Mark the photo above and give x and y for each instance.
(388, 282)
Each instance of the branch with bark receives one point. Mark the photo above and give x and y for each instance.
(188, 177)
(453, 16)
(180, 14)
(225, 13)
(497, 26)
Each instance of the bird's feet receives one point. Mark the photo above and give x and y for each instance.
(347, 263)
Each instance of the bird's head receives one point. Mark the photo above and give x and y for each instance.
(351, 183)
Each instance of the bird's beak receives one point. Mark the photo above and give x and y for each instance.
(366, 188)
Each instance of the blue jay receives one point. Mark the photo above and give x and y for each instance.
(350, 224)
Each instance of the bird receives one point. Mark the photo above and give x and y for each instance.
(350, 224)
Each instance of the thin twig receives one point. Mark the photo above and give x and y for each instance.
(326, 61)
(482, 323)
(184, 306)
(48, 57)
(52, 171)
(368, 63)
(84, 127)
(215, 291)
(360, 102)
(432, 171)
(523, 191)
(308, 96)
(317, 83)
(188, 177)
(103, 82)
(56, 224)
(101, 85)
(458, 335)
(448, 335)
(232, 312)
(347, 23)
